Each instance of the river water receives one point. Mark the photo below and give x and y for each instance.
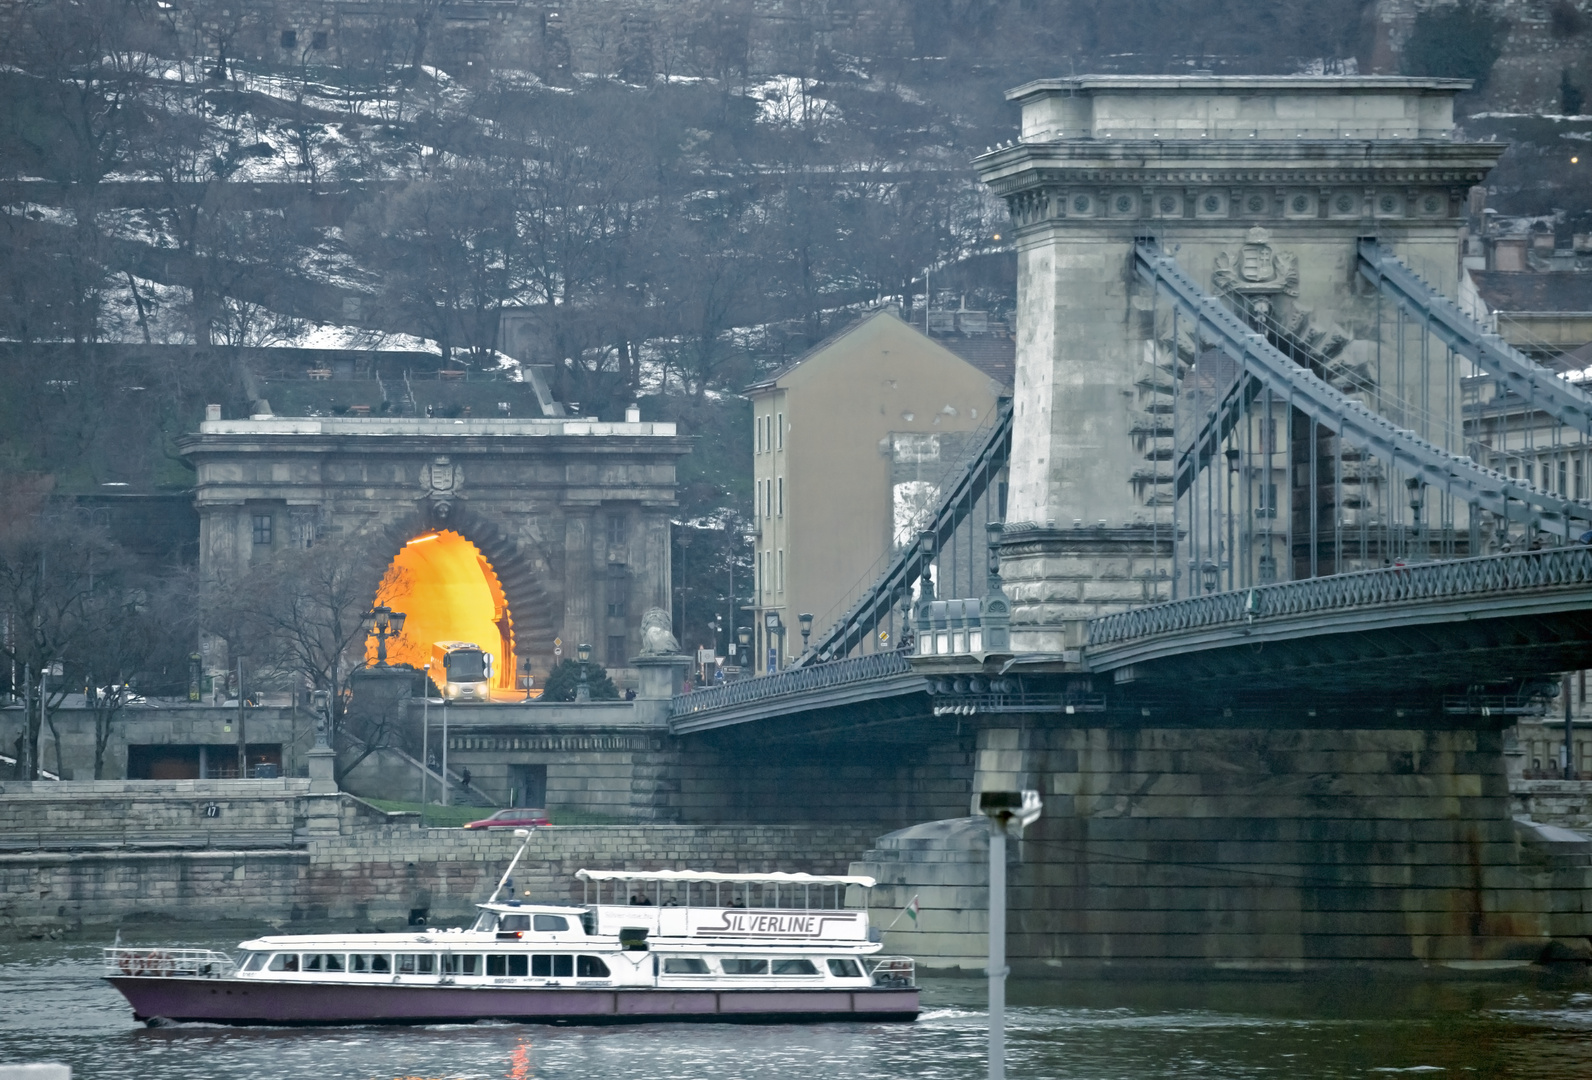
(53, 1007)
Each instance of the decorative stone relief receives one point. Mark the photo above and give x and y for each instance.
(1257, 269)
(441, 480)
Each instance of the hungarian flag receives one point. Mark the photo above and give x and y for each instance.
(912, 909)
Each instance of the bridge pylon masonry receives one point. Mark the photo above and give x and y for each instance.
(1261, 188)
(1215, 403)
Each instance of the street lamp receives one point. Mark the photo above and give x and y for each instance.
(1009, 812)
(743, 635)
(806, 620)
(525, 671)
(1414, 484)
(1211, 573)
(583, 653)
(382, 622)
(775, 629)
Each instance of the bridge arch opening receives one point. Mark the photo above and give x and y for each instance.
(450, 592)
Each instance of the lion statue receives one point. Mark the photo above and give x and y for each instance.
(657, 634)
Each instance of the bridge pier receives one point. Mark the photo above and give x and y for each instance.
(1194, 849)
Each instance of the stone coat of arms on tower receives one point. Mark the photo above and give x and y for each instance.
(441, 479)
(1257, 270)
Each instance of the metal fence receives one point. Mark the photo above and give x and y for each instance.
(1367, 588)
(793, 681)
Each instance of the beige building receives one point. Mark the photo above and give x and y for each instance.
(850, 443)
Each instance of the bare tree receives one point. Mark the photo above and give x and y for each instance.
(53, 569)
(300, 614)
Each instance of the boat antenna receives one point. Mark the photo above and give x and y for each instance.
(512, 863)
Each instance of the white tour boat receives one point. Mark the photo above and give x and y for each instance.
(666, 945)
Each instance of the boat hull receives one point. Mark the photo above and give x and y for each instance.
(244, 1002)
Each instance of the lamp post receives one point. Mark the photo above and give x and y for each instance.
(382, 622)
(583, 653)
(805, 619)
(1009, 812)
(743, 635)
(525, 670)
(1416, 554)
(425, 742)
(775, 630)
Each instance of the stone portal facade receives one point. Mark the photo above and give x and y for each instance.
(573, 514)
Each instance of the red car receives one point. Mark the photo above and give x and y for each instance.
(519, 818)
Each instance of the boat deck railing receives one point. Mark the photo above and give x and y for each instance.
(157, 963)
(892, 971)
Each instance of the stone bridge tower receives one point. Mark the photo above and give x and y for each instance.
(1261, 187)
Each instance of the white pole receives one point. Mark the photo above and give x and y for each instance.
(997, 952)
(425, 746)
(444, 751)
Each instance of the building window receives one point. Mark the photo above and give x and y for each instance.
(1580, 478)
(757, 503)
(290, 39)
(618, 590)
(1564, 478)
(779, 432)
(768, 499)
(616, 529)
(261, 527)
(318, 40)
(617, 651)
(762, 574)
(757, 437)
(781, 557)
(780, 484)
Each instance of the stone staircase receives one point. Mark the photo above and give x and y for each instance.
(945, 864)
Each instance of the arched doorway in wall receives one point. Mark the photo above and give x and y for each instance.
(450, 592)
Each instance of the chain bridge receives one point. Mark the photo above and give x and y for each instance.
(1288, 540)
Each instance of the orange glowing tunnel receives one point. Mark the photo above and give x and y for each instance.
(450, 593)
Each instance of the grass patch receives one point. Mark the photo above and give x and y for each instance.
(454, 817)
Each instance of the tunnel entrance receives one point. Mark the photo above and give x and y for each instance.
(451, 593)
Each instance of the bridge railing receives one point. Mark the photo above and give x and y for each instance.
(793, 681)
(1365, 588)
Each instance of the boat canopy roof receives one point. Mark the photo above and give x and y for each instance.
(709, 876)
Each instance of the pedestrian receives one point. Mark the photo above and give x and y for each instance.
(464, 777)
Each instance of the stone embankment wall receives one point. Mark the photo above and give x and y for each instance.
(278, 853)
(1565, 803)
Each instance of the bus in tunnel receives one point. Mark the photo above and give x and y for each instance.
(458, 618)
(462, 669)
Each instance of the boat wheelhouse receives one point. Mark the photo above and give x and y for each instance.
(661, 945)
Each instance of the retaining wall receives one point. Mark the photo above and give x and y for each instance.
(344, 860)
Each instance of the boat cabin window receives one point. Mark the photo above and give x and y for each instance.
(685, 965)
(844, 968)
(416, 964)
(323, 961)
(590, 967)
(507, 965)
(796, 966)
(377, 964)
(516, 922)
(553, 967)
(741, 965)
(461, 965)
(485, 923)
(254, 962)
(548, 922)
(284, 962)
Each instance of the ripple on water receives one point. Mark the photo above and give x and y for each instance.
(53, 1006)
